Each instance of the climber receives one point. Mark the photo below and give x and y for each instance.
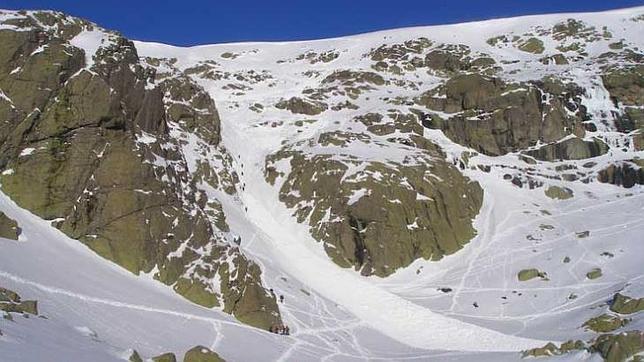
(426, 120)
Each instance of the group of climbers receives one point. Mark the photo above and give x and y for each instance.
(280, 329)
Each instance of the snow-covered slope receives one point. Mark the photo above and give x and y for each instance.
(466, 304)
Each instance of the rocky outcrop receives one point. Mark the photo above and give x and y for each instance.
(527, 274)
(551, 349)
(9, 228)
(605, 323)
(624, 304)
(94, 142)
(10, 302)
(573, 148)
(625, 174)
(384, 216)
(494, 117)
(594, 273)
(201, 354)
(302, 106)
(559, 193)
(166, 357)
(619, 347)
(626, 88)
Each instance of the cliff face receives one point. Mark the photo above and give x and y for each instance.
(87, 142)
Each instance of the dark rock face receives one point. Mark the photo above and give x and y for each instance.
(625, 174)
(91, 148)
(495, 118)
(569, 149)
(626, 85)
(626, 88)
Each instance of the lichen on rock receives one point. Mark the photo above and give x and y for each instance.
(107, 140)
(9, 228)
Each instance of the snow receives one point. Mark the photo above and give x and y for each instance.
(357, 195)
(146, 138)
(90, 41)
(27, 151)
(335, 314)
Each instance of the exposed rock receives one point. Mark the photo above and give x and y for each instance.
(619, 347)
(166, 357)
(9, 228)
(559, 193)
(626, 85)
(527, 274)
(626, 88)
(383, 217)
(201, 354)
(135, 357)
(551, 349)
(397, 58)
(605, 323)
(583, 234)
(400, 51)
(625, 174)
(446, 60)
(594, 273)
(623, 304)
(94, 149)
(349, 78)
(573, 148)
(11, 302)
(532, 45)
(558, 59)
(7, 295)
(495, 118)
(301, 106)
(324, 57)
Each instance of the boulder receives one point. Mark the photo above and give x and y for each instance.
(166, 357)
(594, 273)
(527, 274)
(9, 228)
(559, 193)
(201, 354)
(623, 304)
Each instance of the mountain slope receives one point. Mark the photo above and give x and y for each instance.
(471, 188)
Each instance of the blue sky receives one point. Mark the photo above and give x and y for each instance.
(191, 22)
